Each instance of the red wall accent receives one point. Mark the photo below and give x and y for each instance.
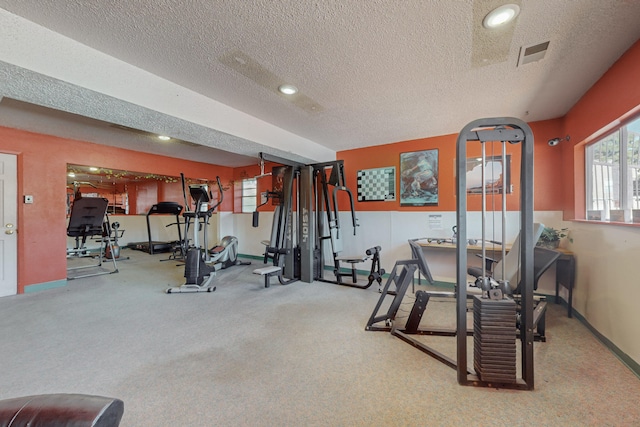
(614, 97)
(547, 169)
(42, 169)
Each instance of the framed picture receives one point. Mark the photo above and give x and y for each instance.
(497, 176)
(419, 178)
(377, 184)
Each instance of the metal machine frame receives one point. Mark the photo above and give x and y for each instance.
(401, 277)
(503, 130)
(198, 272)
(307, 218)
(513, 131)
(88, 217)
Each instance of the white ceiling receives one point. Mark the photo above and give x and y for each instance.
(370, 72)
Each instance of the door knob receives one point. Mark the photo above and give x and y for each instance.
(10, 227)
(8, 231)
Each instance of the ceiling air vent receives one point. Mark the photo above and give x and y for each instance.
(532, 53)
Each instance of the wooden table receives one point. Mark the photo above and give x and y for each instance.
(565, 276)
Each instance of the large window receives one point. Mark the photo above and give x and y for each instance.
(249, 195)
(613, 175)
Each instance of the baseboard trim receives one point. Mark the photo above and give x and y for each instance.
(251, 256)
(37, 287)
(624, 358)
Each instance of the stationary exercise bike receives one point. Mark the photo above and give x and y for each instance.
(197, 271)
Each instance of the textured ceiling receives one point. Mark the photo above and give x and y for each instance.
(370, 72)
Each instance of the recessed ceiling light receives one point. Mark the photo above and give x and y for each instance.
(501, 15)
(71, 175)
(288, 89)
(93, 169)
(163, 137)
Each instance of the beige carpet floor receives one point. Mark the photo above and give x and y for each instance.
(295, 355)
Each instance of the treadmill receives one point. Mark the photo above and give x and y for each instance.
(153, 246)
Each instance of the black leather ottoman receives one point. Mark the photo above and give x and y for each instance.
(52, 410)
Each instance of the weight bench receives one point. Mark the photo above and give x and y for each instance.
(268, 272)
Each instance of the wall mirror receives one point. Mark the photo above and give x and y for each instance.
(128, 192)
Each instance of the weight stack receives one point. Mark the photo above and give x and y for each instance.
(494, 339)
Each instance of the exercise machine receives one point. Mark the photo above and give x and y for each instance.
(283, 247)
(225, 254)
(328, 182)
(375, 273)
(113, 230)
(88, 217)
(496, 306)
(198, 272)
(400, 277)
(499, 319)
(154, 246)
(307, 227)
(202, 264)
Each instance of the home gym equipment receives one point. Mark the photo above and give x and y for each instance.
(486, 132)
(400, 277)
(307, 226)
(197, 272)
(499, 319)
(279, 249)
(225, 253)
(375, 273)
(154, 246)
(115, 231)
(505, 271)
(505, 131)
(88, 216)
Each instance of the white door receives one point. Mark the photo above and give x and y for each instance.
(8, 220)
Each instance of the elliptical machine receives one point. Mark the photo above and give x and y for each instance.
(225, 254)
(197, 272)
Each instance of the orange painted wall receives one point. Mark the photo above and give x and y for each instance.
(615, 96)
(547, 169)
(42, 167)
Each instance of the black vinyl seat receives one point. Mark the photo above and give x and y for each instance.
(68, 410)
(543, 258)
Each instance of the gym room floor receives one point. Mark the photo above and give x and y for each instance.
(295, 355)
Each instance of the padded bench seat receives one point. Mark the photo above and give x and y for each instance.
(353, 259)
(268, 272)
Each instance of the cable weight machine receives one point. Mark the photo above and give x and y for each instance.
(496, 329)
(486, 373)
(307, 221)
